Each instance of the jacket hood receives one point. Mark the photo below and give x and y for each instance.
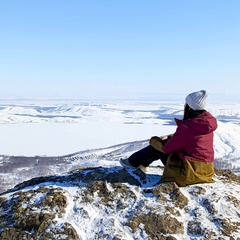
(204, 123)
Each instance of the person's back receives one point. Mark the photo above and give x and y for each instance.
(194, 138)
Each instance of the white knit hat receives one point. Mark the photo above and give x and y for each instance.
(197, 100)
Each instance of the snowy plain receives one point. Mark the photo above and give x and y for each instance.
(58, 128)
(62, 127)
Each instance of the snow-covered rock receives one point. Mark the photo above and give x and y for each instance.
(114, 203)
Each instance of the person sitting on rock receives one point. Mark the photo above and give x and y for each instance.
(188, 154)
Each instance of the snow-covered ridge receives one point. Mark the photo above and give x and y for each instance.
(80, 112)
(120, 111)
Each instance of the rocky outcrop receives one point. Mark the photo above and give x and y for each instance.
(25, 216)
(112, 203)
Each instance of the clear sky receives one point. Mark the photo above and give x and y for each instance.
(118, 48)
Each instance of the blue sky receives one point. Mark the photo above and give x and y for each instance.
(118, 48)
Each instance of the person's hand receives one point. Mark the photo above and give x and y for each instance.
(164, 137)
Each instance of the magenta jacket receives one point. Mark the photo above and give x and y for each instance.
(193, 139)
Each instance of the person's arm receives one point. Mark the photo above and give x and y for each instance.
(179, 140)
(158, 142)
